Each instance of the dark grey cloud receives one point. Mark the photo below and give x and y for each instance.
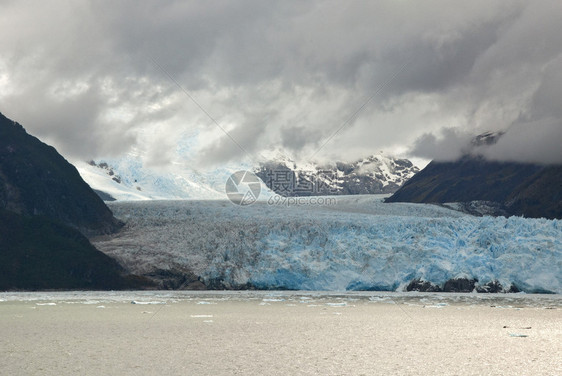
(284, 74)
(241, 140)
(536, 142)
(296, 137)
(451, 144)
(532, 133)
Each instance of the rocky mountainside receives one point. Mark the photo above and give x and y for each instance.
(37, 253)
(373, 175)
(504, 188)
(44, 204)
(36, 180)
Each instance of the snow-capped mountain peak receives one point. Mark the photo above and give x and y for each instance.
(130, 177)
(372, 175)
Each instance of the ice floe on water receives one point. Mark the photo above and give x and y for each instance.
(358, 243)
(347, 299)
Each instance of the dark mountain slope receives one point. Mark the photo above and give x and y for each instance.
(519, 189)
(37, 253)
(540, 196)
(43, 204)
(35, 179)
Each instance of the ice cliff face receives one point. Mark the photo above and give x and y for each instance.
(360, 243)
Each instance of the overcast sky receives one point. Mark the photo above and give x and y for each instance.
(317, 79)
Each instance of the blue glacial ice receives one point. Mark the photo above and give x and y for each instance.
(360, 243)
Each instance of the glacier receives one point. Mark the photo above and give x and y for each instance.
(131, 177)
(357, 243)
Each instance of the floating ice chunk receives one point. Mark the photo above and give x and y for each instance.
(87, 302)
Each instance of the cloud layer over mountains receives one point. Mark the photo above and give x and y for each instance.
(328, 79)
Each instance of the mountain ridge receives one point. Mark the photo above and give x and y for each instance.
(128, 179)
(35, 179)
(376, 174)
(46, 212)
(513, 188)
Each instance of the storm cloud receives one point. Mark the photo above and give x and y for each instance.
(416, 79)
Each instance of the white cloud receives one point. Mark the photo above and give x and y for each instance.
(82, 75)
